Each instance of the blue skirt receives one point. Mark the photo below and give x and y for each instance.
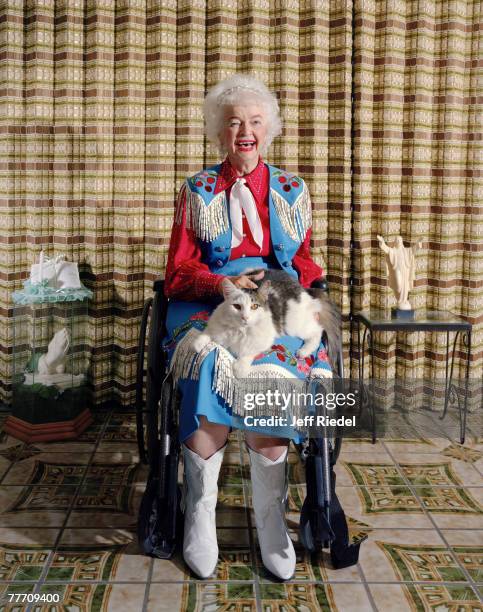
(202, 379)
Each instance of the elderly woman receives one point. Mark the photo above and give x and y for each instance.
(237, 215)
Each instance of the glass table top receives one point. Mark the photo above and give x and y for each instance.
(422, 318)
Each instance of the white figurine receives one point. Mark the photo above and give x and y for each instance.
(51, 365)
(400, 268)
(53, 361)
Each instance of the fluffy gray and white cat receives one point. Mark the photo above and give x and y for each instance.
(248, 320)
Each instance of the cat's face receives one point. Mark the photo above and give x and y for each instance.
(245, 307)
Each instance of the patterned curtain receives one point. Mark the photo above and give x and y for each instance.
(101, 121)
(417, 143)
(104, 123)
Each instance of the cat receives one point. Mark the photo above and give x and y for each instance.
(248, 320)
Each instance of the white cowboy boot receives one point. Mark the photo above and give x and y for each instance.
(200, 547)
(269, 485)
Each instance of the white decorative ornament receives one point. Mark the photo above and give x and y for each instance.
(51, 365)
(53, 362)
(59, 273)
(401, 269)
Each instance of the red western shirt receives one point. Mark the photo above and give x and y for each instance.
(188, 278)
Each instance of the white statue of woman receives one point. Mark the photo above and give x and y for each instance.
(401, 269)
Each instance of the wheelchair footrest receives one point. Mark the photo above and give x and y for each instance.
(324, 523)
(315, 530)
(345, 556)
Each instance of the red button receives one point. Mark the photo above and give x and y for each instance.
(210, 180)
(282, 179)
(208, 188)
(286, 187)
(199, 184)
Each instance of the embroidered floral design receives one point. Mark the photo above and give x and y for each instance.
(203, 315)
(288, 180)
(206, 179)
(303, 364)
(198, 320)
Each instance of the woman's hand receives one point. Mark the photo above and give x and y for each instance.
(244, 281)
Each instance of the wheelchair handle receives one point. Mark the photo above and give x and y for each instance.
(158, 285)
(320, 283)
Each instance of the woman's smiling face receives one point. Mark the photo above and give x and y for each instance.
(243, 134)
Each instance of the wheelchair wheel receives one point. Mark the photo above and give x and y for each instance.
(147, 419)
(168, 431)
(160, 519)
(140, 431)
(335, 445)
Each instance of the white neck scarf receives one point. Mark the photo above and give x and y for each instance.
(241, 199)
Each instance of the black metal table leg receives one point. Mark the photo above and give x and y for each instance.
(372, 402)
(448, 383)
(360, 366)
(451, 394)
(367, 397)
(467, 341)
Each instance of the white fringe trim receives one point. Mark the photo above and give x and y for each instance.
(186, 363)
(208, 221)
(295, 219)
(317, 373)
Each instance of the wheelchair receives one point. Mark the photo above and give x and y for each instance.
(322, 519)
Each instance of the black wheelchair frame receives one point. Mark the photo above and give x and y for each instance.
(322, 519)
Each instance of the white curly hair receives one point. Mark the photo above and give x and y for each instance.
(240, 89)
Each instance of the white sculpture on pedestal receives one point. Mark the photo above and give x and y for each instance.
(53, 361)
(51, 365)
(401, 269)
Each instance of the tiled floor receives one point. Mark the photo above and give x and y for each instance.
(68, 528)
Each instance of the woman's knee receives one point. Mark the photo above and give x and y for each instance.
(214, 429)
(268, 446)
(208, 438)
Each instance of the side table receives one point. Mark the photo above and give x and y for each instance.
(428, 321)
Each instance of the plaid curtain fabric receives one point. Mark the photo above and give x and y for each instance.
(417, 143)
(101, 121)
